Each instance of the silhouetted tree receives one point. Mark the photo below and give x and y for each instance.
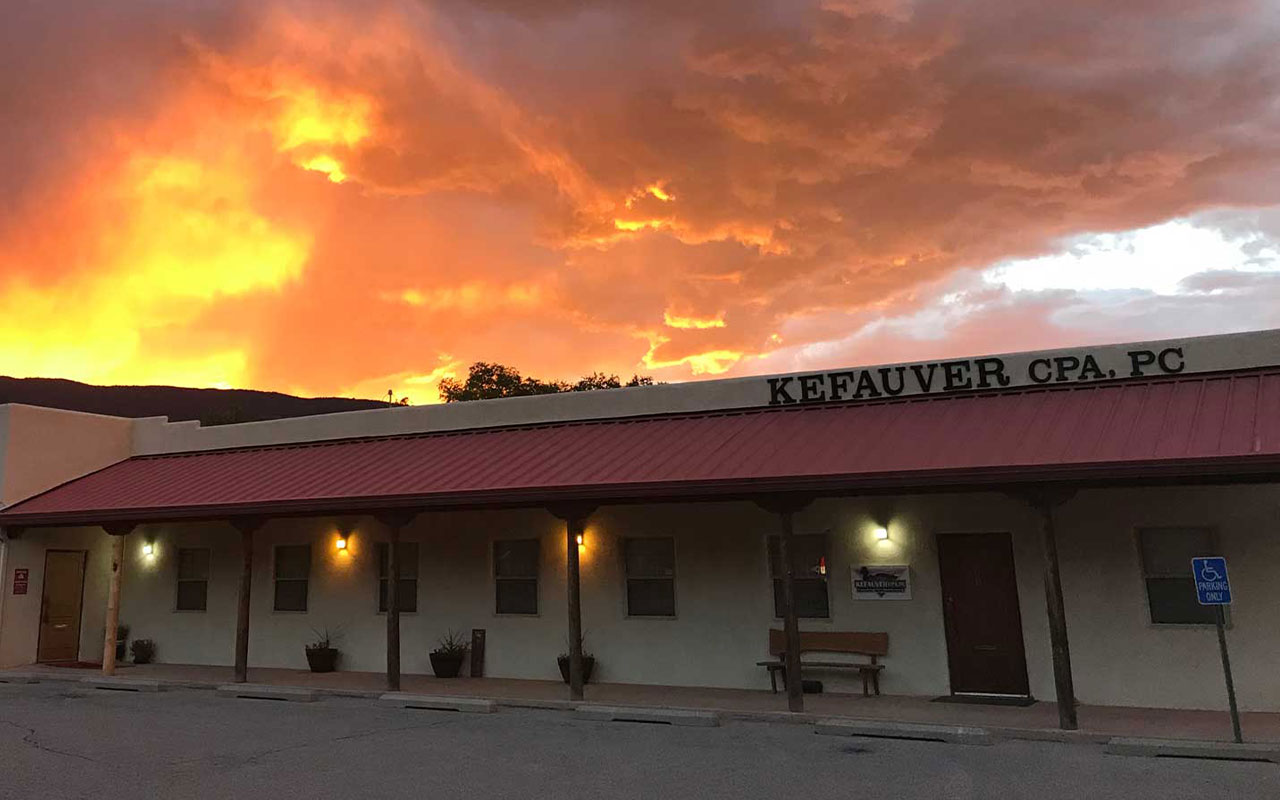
(486, 381)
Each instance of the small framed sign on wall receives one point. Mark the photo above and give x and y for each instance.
(881, 582)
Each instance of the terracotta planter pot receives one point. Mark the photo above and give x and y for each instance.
(588, 664)
(322, 659)
(447, 665)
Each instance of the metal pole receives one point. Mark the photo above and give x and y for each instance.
(1226, 670)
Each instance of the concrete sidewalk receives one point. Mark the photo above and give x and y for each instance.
(1039, 721)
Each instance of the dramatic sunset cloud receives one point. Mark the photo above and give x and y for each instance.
(350, 198)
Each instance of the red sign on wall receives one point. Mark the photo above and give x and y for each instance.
(20, 580)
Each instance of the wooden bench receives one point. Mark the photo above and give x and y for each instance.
(858, 643)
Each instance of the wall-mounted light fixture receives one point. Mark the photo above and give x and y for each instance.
(881, 534)
(581, 541)
(341, 544)
(149, 549)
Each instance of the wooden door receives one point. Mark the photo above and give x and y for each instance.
(60, 605)
(980, 606)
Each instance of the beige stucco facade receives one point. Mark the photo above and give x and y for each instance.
(724, 605)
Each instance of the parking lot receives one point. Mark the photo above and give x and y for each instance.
(61, 740)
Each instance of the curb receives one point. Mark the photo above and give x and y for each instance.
(662, 716)
(254, 691)
(438, 703)
(122, 684)
(952, 734)
(1176, 748)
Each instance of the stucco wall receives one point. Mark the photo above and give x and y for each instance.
(45, 447)
(724, 606)
(20, 626)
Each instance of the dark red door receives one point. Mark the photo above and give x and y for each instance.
(980, 606)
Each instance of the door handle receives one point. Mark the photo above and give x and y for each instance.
(60, 626)
(986, 648)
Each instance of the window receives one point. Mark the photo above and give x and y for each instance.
(1166, 568)
(809, 564)
(292, 570)
(651, 577)
(515, 576)
(193, 578)
(407, 589)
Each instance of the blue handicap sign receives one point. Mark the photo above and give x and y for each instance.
(1212, 586)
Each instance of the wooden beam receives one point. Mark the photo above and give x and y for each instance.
(1044, 502)
(393, 608)
(790, 623)
(113, 601)
(785, 506)
(394, 520)
(573, 528)
(247, 527)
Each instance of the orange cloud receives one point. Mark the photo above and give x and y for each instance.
(330, 197)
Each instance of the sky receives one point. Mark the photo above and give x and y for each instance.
(331, 198)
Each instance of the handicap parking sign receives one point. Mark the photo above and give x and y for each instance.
(1212, 586)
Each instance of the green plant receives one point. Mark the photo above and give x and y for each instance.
(143, 650)
(323, 641)
(452, 644)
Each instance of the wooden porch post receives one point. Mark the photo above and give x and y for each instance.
(786, 507)
(575, 518)
(247, 526)
(394, 521)
(117, 534)
(1044, 502)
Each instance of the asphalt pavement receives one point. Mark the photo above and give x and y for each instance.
(64, 741)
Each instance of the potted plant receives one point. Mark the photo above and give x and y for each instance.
(322, 656)
(122, 636)
(450, 652)
(588, 664)
(144, 651)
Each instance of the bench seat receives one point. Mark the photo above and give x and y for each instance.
(857, 643)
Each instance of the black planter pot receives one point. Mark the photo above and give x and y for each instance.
(446, 665)
(322, 659)
(588, 664)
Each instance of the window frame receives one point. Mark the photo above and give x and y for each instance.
(379, 577)
(275, 579)
(1144, 575)
(495, 579)
(772, 579)
(178, 580)
(627, 578)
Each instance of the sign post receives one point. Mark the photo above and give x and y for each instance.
(1214, 589)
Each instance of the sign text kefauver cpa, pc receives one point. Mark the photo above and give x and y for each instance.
(992, 372)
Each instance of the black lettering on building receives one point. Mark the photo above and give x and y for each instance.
(778, 394)
(888, 386)
(956, 374)
(1165, 360)
(1139, 359)
(1033, 371)
(866, 386)
(840, 381)
(990, 372)
(1089, 370)
(925, 381)
(1065, 365)
(811, 389)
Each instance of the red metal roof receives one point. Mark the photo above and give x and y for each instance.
(1224, 426)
